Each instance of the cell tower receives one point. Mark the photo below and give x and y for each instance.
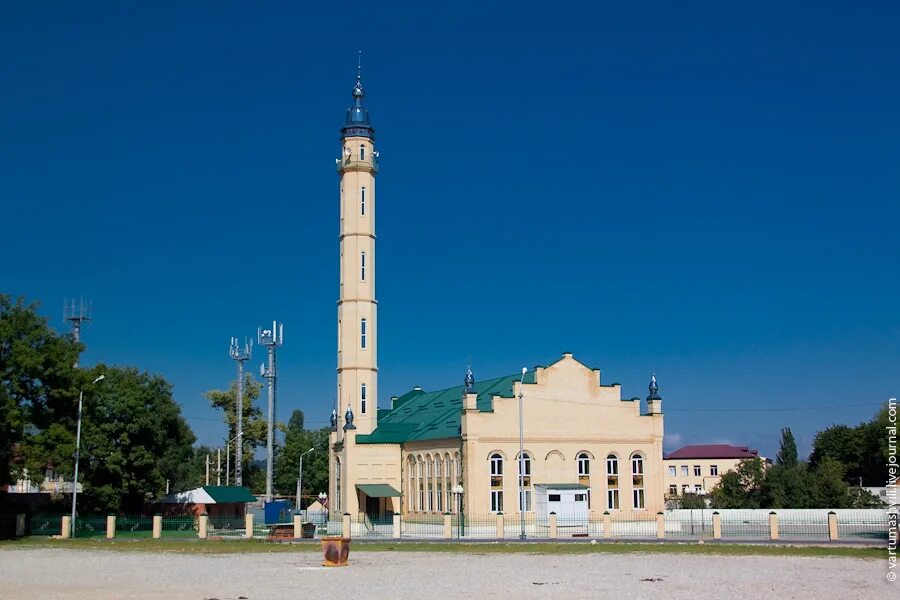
(77, 312)
(271, 338)
(240, 356)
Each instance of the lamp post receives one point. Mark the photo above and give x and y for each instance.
(323, 500)
(78, 455)
(300, 477)
(522, 457)
(458, 490)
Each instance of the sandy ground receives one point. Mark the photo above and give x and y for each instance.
(101, 575)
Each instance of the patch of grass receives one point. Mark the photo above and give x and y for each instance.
(261, 546)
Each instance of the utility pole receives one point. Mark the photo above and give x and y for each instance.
(77, 314)
(207, 469)
(272, 339)
(218, 466)
(240, 356)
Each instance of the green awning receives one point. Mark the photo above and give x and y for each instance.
(229, 493)
(377, 490)
(562, 486)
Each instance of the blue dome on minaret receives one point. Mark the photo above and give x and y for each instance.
(357, 122)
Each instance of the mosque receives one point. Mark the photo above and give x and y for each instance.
(460, 448)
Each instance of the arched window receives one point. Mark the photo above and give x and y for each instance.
(496, 483)
(362, 152)
(362, 266)
(524, 467)
(612, 482)
(448, 481)
(421, 471)
(439, 483)
(411, 483)
(584, 474)
(362, 399)
(362, 201)
(637, 480)
(362, 334)
(429, 484)
(337, 486)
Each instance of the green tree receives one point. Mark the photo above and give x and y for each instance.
(862, 450)
(829, 489)
(788, 487)
(297, 440)
(741, 488)
(38, 392)
(133, 439)
(787, 454)
(689, 500)
(255, 426)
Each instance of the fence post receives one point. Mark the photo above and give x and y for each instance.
(832, 526)
(248, 526)
(66, 527)
(203, 527)
(499, 525)
(607, 525)
(773, 526)
(20, 525)
(157, 526)
(717, 525)
(660, 525)
(345, 525)
(298, 526)
(448, 530)
(396, 531)
(554, 531)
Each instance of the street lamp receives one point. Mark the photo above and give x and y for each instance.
(78, 455)
(458, 490)
(300, 477)
(323, 500)
(522, 457)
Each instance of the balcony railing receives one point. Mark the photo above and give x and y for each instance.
(347, 164)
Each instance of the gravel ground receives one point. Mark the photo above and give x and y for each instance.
(101, 575)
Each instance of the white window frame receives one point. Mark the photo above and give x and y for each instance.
(362, 398)
(362, 265)
(362, 333)
(713, 470)
(362, 201)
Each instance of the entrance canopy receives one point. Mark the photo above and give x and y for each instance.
(377, 490)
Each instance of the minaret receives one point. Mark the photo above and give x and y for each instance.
(357, 361)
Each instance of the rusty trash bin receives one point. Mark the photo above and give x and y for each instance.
(335, 551)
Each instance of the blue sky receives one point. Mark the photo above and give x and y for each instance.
(706, 191)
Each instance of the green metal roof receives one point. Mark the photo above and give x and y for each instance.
(377, 490)
(420, 415)
(229, 493)
(562, 486)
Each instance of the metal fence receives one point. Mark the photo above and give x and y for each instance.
(131, 526)
(41, 524)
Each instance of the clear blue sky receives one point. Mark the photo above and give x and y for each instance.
(706, 191)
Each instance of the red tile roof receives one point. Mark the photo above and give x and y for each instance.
(713, 451)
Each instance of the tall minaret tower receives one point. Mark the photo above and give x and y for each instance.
(357, 360)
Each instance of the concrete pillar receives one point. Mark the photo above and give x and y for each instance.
(717, 526)
(607, 525)
(832, 526)
(298, 527)
(499, 526)
(396, 532)
(20, 525)
(248, 526)
(203, 527)
(157, 526)
(554, 530)
(660, 525)
(448, 529)
(110, 527)
(345, 525)
(773, 526)
(66, 527)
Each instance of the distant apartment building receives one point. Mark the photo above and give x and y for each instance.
(698, 469)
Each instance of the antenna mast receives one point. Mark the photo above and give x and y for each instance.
(77, 313)
(271, 338)
(240, 355)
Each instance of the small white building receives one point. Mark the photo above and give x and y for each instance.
(568, 500)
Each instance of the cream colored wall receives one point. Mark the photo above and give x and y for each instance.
(361, 464)
(705, 480)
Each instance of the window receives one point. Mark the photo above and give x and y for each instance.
(580, 497)
(684, 470)
(697, 471)
(698, 488)
(362, 399)
(684, 489)
(552, 497)
(337, 485)
(362, 152)
(429, 482)
(362, 334)
(672, 471)
(411, 485)
(673, 490)
(362, 266)
(612, 482)
(439, 484)
(524, 468)
(421, 469)
(714, 470)
(584, 473)
(362, 201)
(637, 481)
(496, 483)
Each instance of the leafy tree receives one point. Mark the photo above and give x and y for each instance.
(787, 454)
(297, 440)
(133, 439)
(788, 487)
(741, 488)
(689, 500)
(862, 450)
(829, 489)
(255, 426)
(38, 389)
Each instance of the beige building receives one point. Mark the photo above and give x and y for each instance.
(698, 469)
(434, 452)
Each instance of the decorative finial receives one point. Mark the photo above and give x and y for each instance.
(348, 417)
(654, 388)
(470, 381)
(334, 418)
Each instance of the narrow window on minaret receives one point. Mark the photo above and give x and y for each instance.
(362, 201)
(362, 334)
(362, 152)
(362, 399)
(362, 266)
